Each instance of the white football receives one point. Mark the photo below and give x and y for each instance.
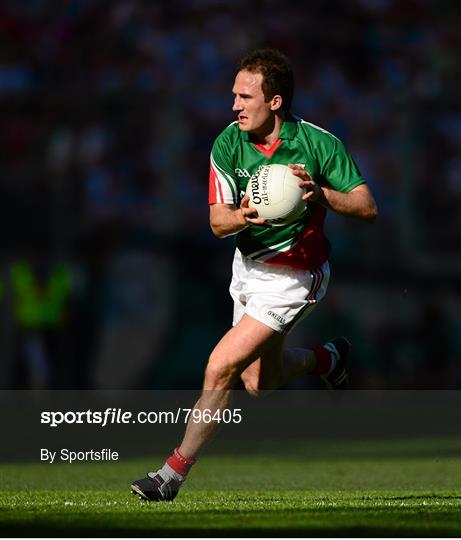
(274, 192)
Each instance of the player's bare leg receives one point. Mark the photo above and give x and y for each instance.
(253, 351)
(280, 365)
(242, 345)
(277, 367)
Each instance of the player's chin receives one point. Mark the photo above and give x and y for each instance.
(244, 125)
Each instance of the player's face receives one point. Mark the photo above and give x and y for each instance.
(253, 112)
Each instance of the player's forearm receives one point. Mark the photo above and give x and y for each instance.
(359, 204)
(227, 221)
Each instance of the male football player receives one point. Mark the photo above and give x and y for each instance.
(279, 273)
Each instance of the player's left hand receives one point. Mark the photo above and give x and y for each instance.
(313, 190)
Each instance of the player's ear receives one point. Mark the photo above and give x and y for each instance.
(276, 102)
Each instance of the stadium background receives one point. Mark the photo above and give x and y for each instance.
(110, 277)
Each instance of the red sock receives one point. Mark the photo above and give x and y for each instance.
(179, 463)
(324, 360)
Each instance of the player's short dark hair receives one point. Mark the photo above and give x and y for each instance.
(276, 71)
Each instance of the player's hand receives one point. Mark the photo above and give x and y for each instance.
(313, 190)
(250, 215)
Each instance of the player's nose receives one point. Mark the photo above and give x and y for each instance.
(237, 106)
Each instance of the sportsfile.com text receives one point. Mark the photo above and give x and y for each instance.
(113, 415)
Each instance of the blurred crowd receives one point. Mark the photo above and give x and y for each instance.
(109, 275)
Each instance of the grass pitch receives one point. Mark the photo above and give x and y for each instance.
(390, 488)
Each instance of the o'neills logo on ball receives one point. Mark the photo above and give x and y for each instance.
(258, 184)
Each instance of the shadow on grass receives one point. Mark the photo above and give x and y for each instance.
(31, 531)
(333, 522)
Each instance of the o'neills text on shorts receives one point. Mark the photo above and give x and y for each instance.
(277, 317)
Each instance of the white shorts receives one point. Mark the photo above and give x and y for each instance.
(277, 296)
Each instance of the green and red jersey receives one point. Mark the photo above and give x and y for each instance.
(234, 159)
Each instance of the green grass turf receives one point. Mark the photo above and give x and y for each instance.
(390, 488)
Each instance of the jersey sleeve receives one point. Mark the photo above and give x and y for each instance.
(222, 184)
(339, 169)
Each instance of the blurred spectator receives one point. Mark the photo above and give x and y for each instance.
(40, 297)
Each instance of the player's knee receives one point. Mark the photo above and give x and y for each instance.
(253, 390)
(220, 374)
(256, 391)
(253, 387)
